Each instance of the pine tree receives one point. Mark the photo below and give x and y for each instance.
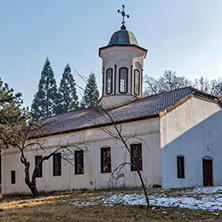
(44, 102)
(91, 93)
(67, 96)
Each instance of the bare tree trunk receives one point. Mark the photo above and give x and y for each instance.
(120, 137)
(137, 170)
(142, 182)
(30, 184)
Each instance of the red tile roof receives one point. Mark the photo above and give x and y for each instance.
(147, 107)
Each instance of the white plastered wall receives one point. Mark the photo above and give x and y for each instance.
(147, 133)
(193, 130)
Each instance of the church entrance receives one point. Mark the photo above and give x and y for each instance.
(207, 172)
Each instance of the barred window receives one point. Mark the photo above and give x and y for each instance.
(57, 167)
(79, 162)
(136, 153)
(106, 160)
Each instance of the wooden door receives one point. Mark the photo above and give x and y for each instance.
(207, 172)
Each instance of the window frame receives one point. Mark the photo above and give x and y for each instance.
(111, 84)
(39, 170)
(57, 167)
(180, 167)
(138, 159)
(79, 154)
(137, 70)
(106, 162)
(126, 80)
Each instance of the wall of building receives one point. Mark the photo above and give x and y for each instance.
(145, 132)
(193, 130)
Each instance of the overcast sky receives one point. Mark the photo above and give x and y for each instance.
(181, 35)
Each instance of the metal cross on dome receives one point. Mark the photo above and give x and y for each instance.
(123, 27)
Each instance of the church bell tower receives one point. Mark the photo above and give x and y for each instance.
(122, 68)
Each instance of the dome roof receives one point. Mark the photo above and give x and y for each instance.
(123, 37)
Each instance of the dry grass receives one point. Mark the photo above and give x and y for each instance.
(58, 207)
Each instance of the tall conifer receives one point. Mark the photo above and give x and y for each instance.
(44, 102)
(67, 96)
(91, 93)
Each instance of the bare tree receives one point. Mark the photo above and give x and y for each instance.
(170, 81)
(202, 84)
(209, 86)
(115, 130)
(167, 82)
(216, 88)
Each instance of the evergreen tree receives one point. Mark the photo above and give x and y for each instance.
(44, 102)
(10, 110)
(91, 93)
(10, 105)
(67, 97)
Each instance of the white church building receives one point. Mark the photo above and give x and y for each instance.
(175, 137)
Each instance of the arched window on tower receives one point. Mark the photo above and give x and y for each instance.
(136, 82)
(109, 81)
(123, 80)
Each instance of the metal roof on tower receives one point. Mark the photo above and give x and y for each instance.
(123, 37)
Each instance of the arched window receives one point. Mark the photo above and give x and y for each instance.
(136, 82)
(109, 81)
(123, 80)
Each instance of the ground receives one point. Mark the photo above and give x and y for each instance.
(193, 204)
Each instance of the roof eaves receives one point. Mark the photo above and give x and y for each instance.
(194, 93)
(128, 45)
(174, 106)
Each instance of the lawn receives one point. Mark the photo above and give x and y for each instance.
(112, 206)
